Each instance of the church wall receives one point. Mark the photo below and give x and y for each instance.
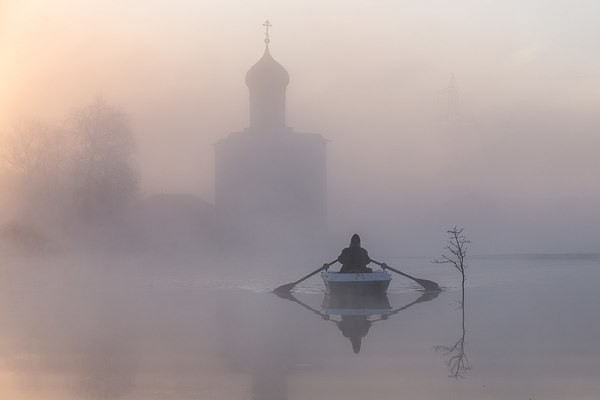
(271, 186)
(267, 110)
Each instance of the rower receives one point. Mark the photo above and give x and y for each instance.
(354, 258)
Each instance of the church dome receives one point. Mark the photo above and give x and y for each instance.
(267, 74)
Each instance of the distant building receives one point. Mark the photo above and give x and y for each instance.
(270, 183)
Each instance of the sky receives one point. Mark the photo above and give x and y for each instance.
(520, 173)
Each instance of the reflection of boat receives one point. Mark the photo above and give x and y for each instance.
(335, 304)
(356, 284)
(353, 313)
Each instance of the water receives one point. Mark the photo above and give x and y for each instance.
(531, 331)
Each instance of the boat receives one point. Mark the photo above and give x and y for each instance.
(367, 283)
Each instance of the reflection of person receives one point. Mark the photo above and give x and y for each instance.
(354, 259)
(354, 327)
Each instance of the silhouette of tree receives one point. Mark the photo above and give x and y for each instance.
(105, 177)
(35, 150)
(457, 249)
(35, 154)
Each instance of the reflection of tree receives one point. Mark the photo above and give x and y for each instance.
(457, 362)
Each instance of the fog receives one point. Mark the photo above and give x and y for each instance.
(165, 165)
(516, 164)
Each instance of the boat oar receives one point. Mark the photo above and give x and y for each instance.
(287, 287)
(427, 284)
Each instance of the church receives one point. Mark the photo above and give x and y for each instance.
(270, 181)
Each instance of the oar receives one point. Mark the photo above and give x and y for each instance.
(287, 287)
(427, 284)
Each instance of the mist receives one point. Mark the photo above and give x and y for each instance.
(368, 80)
(164, 166)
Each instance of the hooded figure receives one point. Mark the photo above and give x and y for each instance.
(354, 259)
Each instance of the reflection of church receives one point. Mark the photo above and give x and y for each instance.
(270, 180)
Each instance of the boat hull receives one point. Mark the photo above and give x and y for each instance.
(371, 283)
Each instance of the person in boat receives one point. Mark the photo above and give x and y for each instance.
(354, 258)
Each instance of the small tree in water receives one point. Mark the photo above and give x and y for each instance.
(457, 248)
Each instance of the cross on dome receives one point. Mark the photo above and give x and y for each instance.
(267, 81)
(267, 24)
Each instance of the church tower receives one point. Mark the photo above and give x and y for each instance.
(267, 82)
(270, 181)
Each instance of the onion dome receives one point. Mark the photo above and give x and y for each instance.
(267, 74)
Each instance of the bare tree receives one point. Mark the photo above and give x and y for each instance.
(457, 249)
(34, 150)
(104, 172)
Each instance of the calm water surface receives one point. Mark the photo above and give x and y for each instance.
(530, 330)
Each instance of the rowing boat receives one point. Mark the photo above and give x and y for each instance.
(368, 283)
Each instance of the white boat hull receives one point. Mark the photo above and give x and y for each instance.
(370, 283)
